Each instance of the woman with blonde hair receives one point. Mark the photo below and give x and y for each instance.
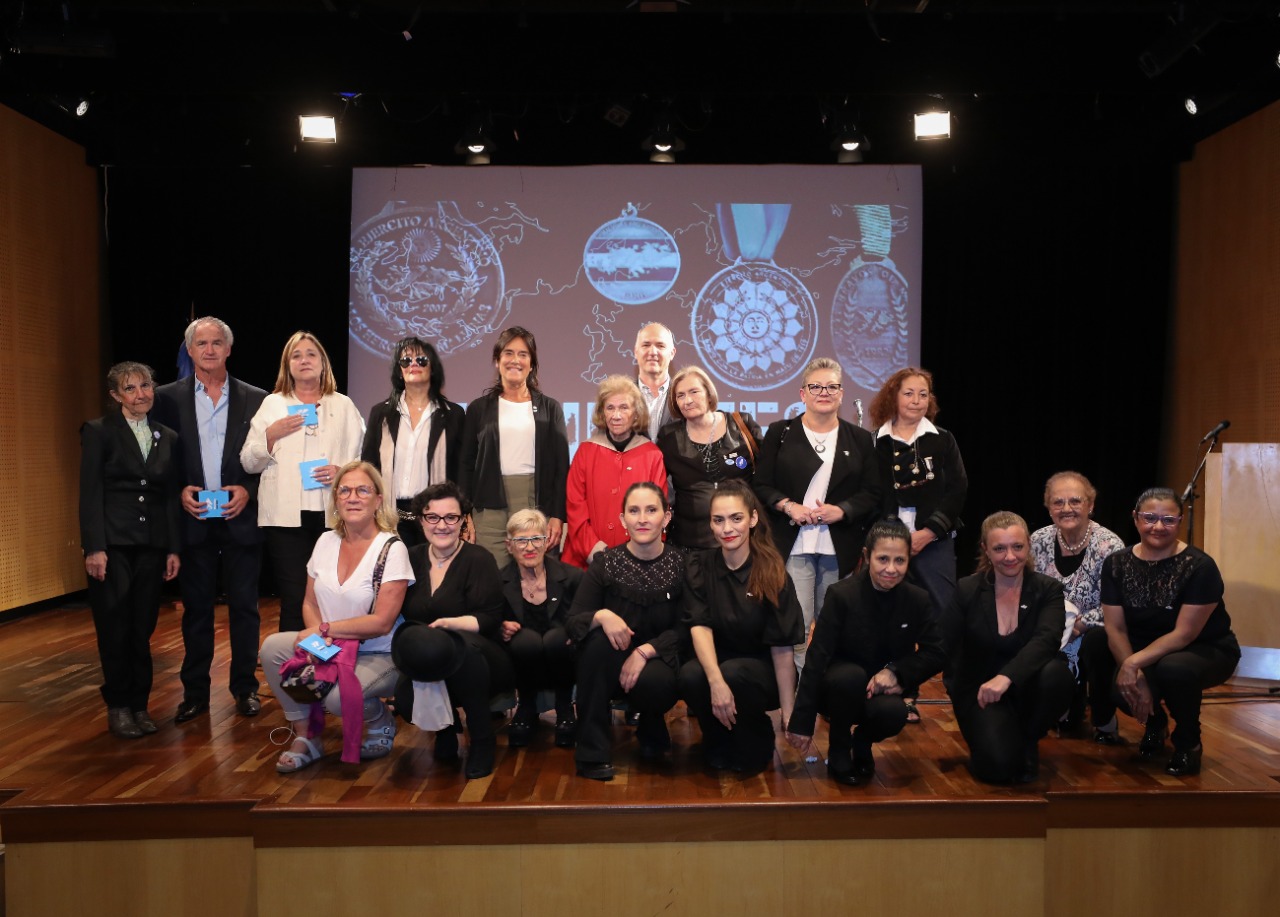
(302, 434)
(618, 455)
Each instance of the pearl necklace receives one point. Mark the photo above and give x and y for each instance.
(1072, 548)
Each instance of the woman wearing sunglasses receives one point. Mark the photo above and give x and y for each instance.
(818, 477)
(453, 624)
(414, 437)
(1167, 635)
(539, 591)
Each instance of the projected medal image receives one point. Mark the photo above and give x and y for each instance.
(424, 271)
(754, 324)
(631, 260)
(869, 310)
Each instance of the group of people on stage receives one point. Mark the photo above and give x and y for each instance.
(460, 564)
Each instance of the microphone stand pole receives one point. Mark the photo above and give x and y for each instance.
(1189, 495)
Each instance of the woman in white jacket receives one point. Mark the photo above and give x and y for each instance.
(303, 433)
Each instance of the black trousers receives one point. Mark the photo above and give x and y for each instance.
(241, 566)
(543, 661)
(755, 692)
(1177, 681)
(288, 550)
(473, 668)
(654, 693)
(844, 698)
(999, 734)
(126, 606)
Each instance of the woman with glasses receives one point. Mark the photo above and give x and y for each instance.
(1072, 550)
(924, 482)
(414, 437)
(1167, 636)
(819, 479)
(515, 448)
(301, 435)
(453, 628)
(539, 591)
(701, 450)
(343, 606)
(617, 456)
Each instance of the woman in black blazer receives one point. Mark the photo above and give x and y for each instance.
(414, 438)
(1009, 683)
(539, 591)
(818, 477)
(129, 483)
(515, 450)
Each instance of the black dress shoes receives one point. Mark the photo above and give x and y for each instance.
(480, 756)
(1107, 737)
(190, 709)
(142, 719)
(1185, 763)
(566, 732)
(447, 744)
(121, 724)
(248, 704)
(846, 777)
(864, 761)
(596, 770)
(1152, 742)
(520, 732)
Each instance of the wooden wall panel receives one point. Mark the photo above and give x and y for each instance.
(50, 353)
(1225, 337)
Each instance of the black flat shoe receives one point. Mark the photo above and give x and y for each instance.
(597, 770)
(864, 761)
(566, 732)
(848, 778)
(1030, 764)
(1185, 763)
(142, 719)
(447, 744)
(1152, 743)
(1112, 738)
(190, 709)
(480, 756)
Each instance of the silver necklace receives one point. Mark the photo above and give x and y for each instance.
(441, 561)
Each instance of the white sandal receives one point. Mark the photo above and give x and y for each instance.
(378, 739)
(291, 761)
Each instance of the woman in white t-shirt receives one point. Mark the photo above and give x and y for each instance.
(340, 605)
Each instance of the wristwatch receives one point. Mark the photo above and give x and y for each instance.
(324, 629)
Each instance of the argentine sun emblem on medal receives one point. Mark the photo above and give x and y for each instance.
(424, 271)
(754, 323)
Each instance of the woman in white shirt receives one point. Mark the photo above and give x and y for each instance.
(342, 605)
(302, 434)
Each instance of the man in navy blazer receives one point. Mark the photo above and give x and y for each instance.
(211, 413)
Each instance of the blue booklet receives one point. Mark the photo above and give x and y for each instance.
(310, 416)
(316, 646)
(213, 501)
(309, 481)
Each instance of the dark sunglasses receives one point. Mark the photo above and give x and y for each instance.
(406, 362)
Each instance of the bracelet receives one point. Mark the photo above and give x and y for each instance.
(785, 504)
(324, 629)
(642, 655)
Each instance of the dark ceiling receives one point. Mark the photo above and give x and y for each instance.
(221, 83)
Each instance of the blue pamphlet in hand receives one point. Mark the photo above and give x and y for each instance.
(309, 481)
(316, 646)
(310, 416)
(213, 501)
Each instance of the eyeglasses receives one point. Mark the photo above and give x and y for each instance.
(363, 491)
(420, 359)
(1153, 518)
(816, 389)
(1061, 503)
(449, 519)
(529, 541)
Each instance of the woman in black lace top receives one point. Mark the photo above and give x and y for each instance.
(625, 621)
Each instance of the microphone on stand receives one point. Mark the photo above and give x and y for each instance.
(857, 403)
(1212, 434)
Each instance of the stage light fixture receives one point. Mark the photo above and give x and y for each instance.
(77, 106)
(476, 143)
(933, 125)
(849, 143)
(318, 128)
(1189, 103)
(662, 143)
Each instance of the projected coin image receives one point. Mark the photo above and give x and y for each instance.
(424, 271)
(755, 325)
(869, 322)
(631, 260)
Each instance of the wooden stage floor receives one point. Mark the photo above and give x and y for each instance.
(54, 748)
